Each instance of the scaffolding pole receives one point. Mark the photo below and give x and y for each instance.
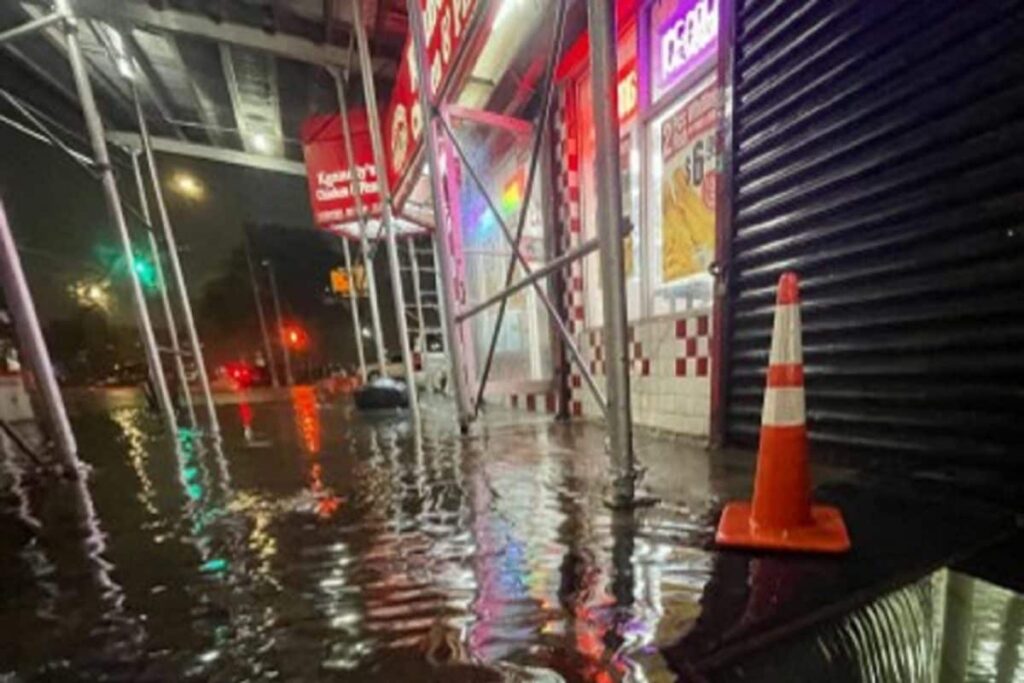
(30, 27)
(446, 267)
(417, 295)
(353, 298)
(364, 241)
(607, 165)
(442, 306)
(176, 271)
(377, 141)
(33, 345)
(165, 299)
(112, 196)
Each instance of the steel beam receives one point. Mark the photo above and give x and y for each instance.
(377, 141)
(30, 27)
(607, 166)
(165, 299)
(446, 269)
(200, 26)
(33, 345)
(353, 298)
(199, 151)
(555, 264)
(368, 270)
(113, 199)
(176, 271)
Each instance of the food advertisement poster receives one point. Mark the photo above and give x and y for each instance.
(689, 155)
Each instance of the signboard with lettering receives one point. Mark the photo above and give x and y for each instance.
(328, 172)
(445, 22)
(684, 34)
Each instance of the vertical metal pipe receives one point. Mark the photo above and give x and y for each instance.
(289, 379)
(601, 15)
(364, 243)
(444, 262)
(369, 88)
(165, 299)
(177, 272)
(113, 199)
(268, 350)
(417, 294)
(721, 320)
(442, 307)
(33, 344)
(353, 298)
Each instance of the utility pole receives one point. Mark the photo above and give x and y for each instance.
(267, 348)
(288, 377)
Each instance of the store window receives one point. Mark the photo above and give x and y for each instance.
(631, 184)
(523, 347)
(681, 201)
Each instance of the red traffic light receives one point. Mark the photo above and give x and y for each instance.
(295, 337)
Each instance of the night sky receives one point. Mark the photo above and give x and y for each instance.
(61, 225)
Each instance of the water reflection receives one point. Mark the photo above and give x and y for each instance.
(369, 549)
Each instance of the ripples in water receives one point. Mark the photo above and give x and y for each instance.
(318, 545)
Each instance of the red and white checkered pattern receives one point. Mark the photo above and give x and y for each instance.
(536, 402)
(694, 335)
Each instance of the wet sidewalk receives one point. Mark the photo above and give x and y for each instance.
(317, 544)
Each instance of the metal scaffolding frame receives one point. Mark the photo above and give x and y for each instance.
(111, 193)
(213, 425)
(364, 240)
(353, 297)
(33, 344)
(174, 346)
(608, 243)
(464, 408)
(377, 142)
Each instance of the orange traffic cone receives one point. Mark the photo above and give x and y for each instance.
(781, 516)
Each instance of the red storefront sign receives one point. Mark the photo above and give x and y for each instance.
(327, 169)
(445, 22)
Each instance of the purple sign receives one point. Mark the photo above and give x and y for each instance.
(684, 33)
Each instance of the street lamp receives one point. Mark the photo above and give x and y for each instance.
(91, 294)
(188, 186)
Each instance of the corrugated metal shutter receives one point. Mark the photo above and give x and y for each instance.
(879, 152)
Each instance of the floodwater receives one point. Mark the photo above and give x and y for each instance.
(316, 544)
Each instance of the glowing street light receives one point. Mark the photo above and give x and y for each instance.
(91, 294)
(188, 186)
(261, 143)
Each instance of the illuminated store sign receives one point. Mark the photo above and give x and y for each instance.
(684, 33)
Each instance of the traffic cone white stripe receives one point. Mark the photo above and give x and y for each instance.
(786, 346)
(783, 407)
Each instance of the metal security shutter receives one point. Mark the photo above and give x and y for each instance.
(879, 153)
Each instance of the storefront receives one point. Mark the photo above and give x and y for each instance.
(481, 95)
(669, 116)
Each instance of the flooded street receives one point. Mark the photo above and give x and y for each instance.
(317, 544)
